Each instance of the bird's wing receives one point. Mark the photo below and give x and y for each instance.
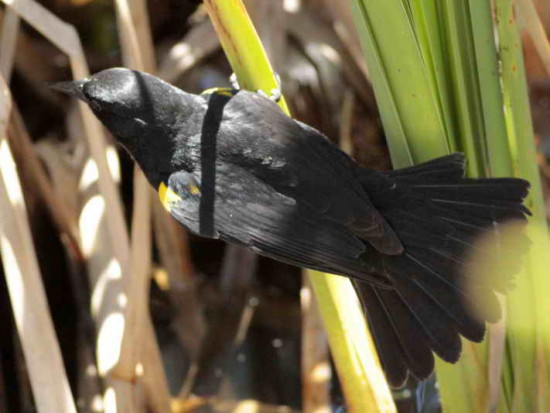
(248, 212)
(299, 162)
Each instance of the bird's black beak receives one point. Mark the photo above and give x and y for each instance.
(73, 88)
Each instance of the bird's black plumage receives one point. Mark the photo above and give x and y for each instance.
(233, 166)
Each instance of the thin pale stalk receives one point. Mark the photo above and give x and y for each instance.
(197, 44)
(65, 37)
(35, 328)
(8, 42)
(138, 53)
(536, 30)
(137, 47)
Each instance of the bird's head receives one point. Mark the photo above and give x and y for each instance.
(131, 103)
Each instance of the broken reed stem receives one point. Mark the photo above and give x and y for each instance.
(66, 39)
(138, 54)
(46, 371)
(8, 42)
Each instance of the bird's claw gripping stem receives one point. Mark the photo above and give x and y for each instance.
(234, 81)
(274, 95)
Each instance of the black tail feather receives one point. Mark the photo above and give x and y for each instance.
(448, 168)
(390, 351)
(439, 216)
(393, 315)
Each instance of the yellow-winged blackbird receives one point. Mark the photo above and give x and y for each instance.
(233, 166)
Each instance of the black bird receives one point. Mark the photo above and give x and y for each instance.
(231, 165)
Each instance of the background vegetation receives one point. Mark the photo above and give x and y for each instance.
(107, 305)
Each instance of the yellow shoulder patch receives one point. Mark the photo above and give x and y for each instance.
(194, 190)
(167, 196)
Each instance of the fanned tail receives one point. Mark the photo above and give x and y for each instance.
(439, 216)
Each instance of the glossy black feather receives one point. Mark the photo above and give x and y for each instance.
(439, 215)
(242, 171)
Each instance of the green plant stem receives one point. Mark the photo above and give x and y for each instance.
(484, 111)
(430, 35)
(499, 160)
(529, 304)
(354, 354)
(242, 46)
(412, 118)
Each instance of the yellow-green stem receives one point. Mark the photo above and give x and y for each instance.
(528, 337)
(354, 354)
(485, 110)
